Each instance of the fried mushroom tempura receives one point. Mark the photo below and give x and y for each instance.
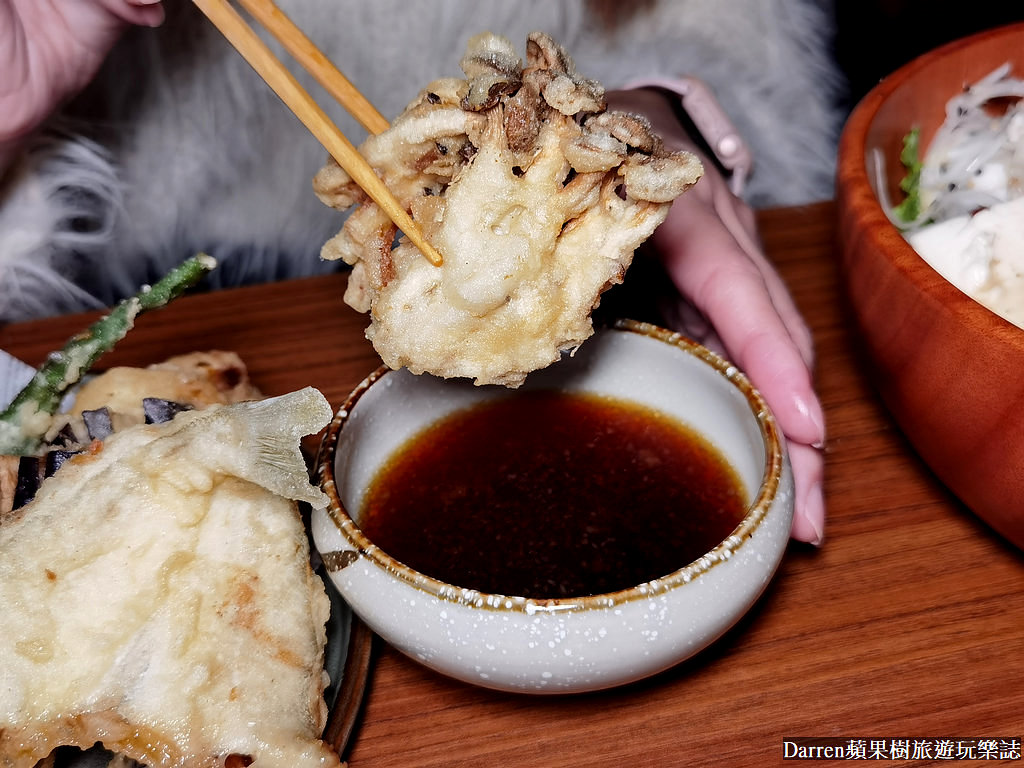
(534, 194)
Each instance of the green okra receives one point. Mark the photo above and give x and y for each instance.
(25, 421)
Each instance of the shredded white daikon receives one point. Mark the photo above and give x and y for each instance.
(970, 227)
(976, 159)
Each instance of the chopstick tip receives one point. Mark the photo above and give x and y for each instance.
(431, 253)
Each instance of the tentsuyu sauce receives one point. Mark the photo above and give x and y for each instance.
(547, 495)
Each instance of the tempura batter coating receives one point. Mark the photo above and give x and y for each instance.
(197, 380)
(157, 597)
(535, 196)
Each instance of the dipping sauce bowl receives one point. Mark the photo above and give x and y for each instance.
(565, 644)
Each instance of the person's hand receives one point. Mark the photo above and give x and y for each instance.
(709, 247)
(50, 49)
(738, 304)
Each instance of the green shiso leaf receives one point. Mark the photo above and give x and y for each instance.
(910, 209)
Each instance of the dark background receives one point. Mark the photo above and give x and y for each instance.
(876, 37)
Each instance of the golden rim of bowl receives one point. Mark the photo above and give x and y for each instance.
(758, 510)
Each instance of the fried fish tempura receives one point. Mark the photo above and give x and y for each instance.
(157, 597)
(535, 196)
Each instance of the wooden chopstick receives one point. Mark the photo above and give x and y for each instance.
(312, 59)
(297, 99)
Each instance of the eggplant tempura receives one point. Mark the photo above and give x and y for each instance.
(535, 196)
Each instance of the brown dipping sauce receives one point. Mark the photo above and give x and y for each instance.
(546, 495)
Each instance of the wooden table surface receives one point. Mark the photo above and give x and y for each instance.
(908, 622)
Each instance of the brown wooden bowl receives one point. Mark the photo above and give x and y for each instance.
(950, 370)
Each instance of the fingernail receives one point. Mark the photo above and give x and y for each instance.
(814, 513)
(813, 413)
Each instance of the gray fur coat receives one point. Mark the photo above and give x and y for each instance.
(178, 146)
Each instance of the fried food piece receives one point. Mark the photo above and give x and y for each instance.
(197, 379)
(119, 398)
(8, 483)
(157, 597)
(535, 196)
(24, 422)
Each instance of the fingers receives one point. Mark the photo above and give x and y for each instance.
(709, 246)
(710, 268)
(90, 26)
(49, 50)
(808, 473)
(739, 221)
(145, 13)
(104, 20)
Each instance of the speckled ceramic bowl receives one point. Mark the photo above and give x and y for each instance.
(573, 644)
